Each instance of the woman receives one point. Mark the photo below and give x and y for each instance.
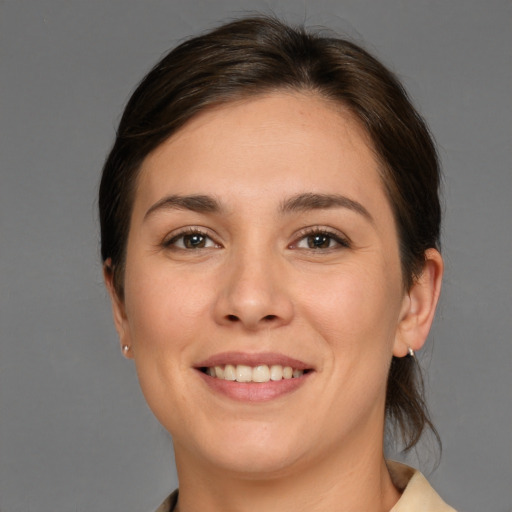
(270, 229)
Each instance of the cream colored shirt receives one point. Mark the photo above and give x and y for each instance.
(417, 494)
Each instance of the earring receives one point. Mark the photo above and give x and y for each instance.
(126, 349)
(411, 351)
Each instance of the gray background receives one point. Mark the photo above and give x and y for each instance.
(75, 433)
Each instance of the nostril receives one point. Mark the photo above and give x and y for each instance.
(267, 318)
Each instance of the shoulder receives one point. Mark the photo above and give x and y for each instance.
(417, 493)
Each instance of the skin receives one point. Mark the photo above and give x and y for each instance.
(254, 285)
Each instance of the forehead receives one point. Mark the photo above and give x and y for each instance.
(279, 141)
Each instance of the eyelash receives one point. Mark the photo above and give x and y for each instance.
(171, 243)
(319, 231)
(190, 231)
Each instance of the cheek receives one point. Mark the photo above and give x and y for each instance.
(166, 315)
(354, 300)
(163, 308)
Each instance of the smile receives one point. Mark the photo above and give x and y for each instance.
(260, 373)
(254, 377)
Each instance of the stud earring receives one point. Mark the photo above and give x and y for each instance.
(126, 349)
(411, 352)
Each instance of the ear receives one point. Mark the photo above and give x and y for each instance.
(118, 310)
(419, 306)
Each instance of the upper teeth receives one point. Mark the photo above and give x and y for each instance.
(260, 373)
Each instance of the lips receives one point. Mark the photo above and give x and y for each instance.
(253, 377)
(253, 360)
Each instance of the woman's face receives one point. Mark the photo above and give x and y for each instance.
(262, 240)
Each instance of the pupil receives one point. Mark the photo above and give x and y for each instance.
(194, 241)
(319, 242)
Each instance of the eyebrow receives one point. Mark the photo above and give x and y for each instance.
(298, 203)
(311, 201)
(195, 203)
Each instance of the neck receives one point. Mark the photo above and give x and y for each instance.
(351, 481)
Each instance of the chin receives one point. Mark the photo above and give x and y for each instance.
(253, 462)
(251, 452)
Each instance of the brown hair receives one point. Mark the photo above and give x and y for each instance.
(255, 55)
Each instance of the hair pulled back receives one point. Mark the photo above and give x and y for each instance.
(258, 55)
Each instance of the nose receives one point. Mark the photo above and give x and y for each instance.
(253, 293)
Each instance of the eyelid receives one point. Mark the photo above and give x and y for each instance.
(336, 235)
(170, 239)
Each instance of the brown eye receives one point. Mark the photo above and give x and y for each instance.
(195, 241)
(319, 241)
(190, 240)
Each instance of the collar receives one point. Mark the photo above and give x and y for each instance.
(417, 494)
